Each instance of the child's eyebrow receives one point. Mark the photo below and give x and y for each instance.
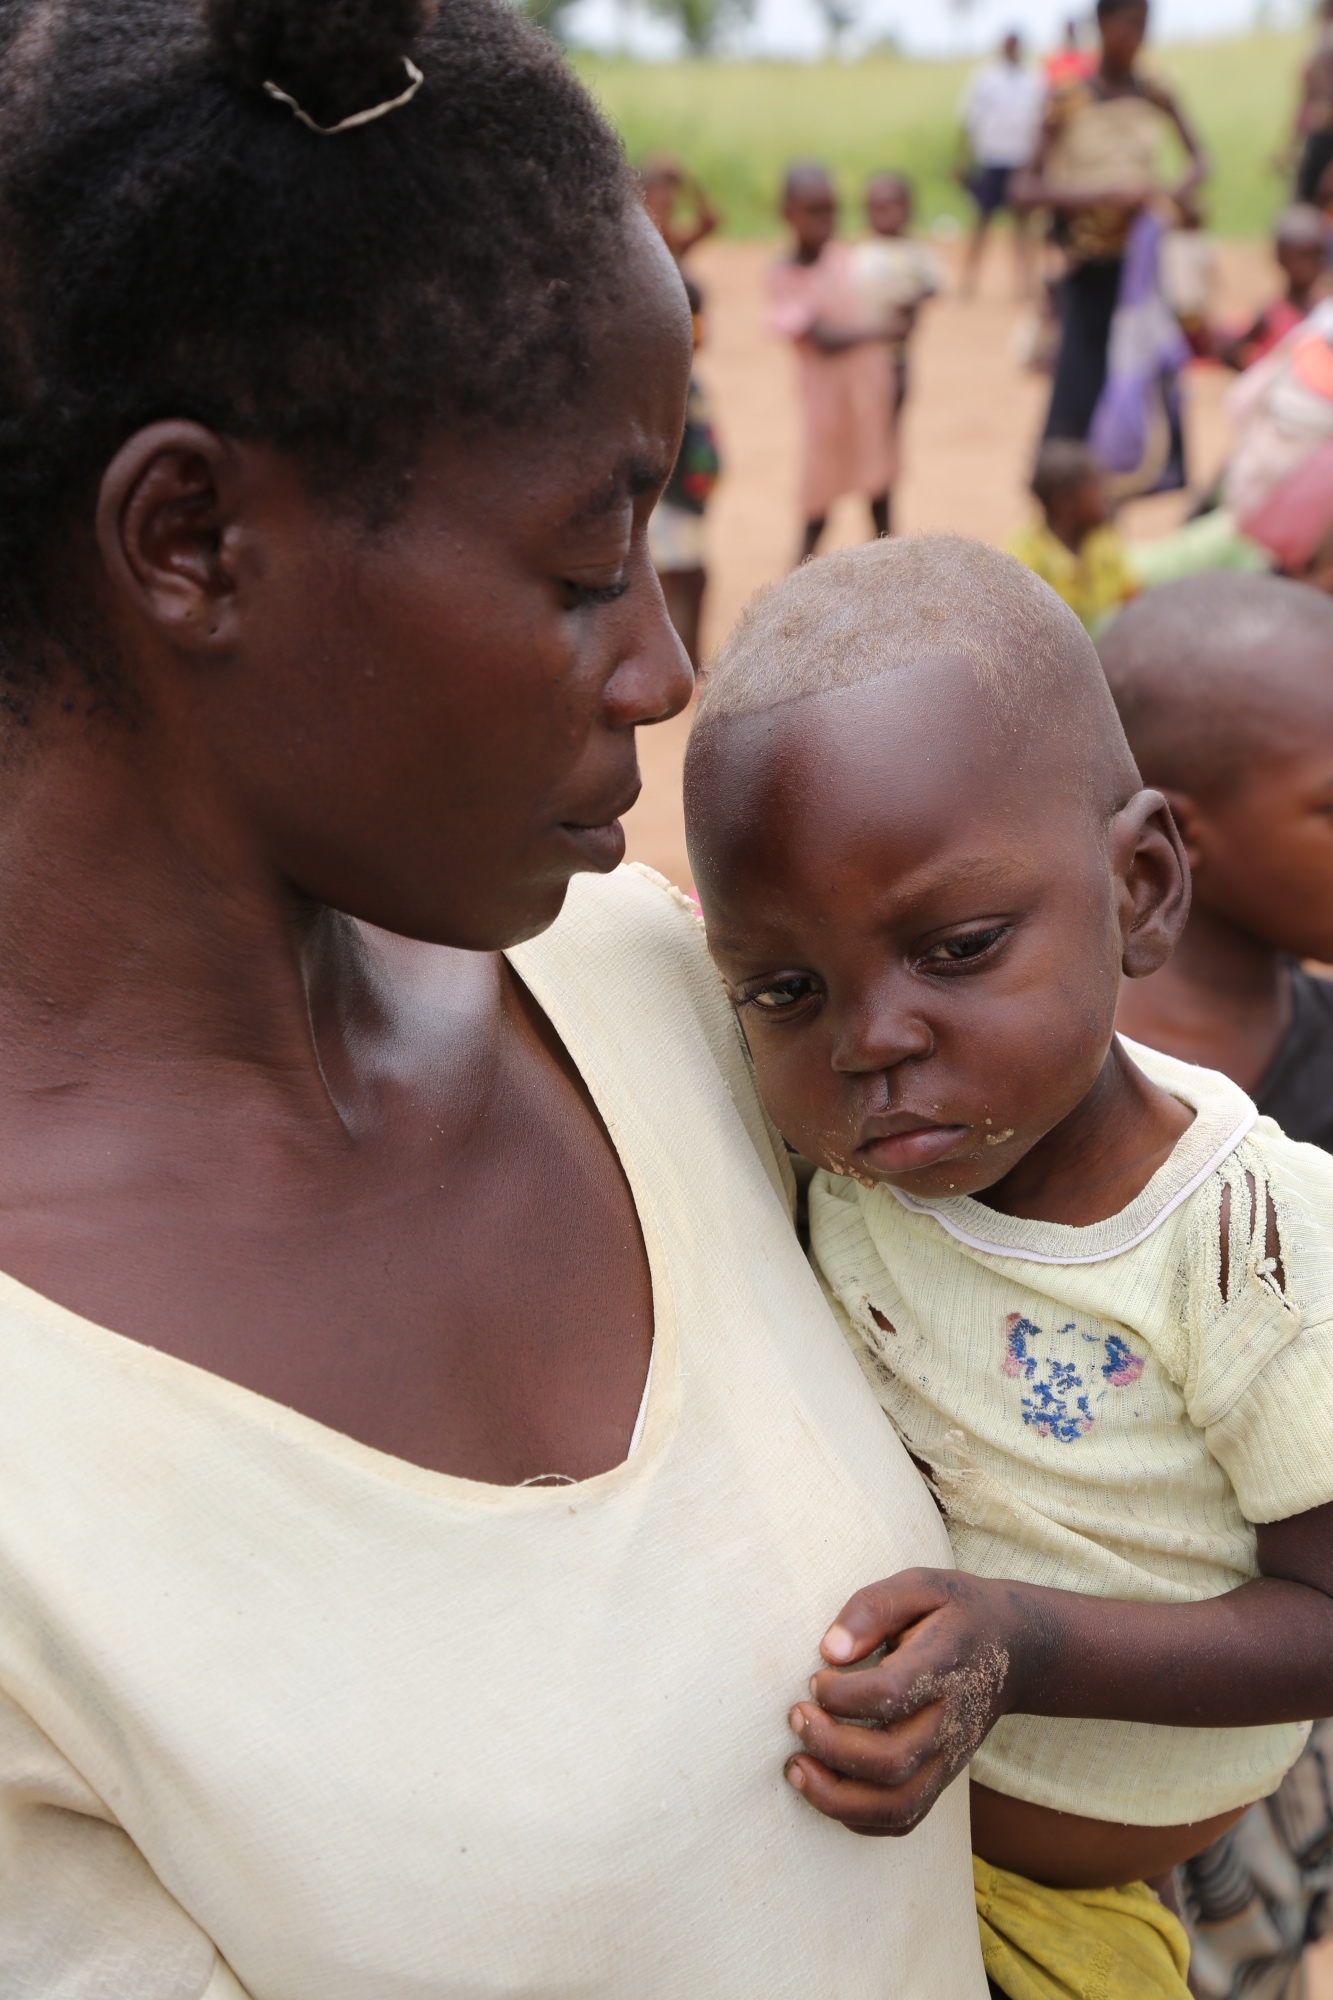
(634, 475)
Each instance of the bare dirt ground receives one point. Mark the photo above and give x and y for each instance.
(970, 430)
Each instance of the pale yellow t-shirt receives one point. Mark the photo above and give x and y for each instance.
(1098, 1417)
(286, 1717)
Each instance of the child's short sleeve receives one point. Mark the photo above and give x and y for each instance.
(1260, 1370)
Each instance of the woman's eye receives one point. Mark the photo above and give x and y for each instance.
(577, 595)
(781, 994)
(968, 944)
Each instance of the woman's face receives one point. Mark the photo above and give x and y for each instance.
(431, 725)
(1123, 35)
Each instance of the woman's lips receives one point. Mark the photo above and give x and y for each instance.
(601, 847)
(916, 1146)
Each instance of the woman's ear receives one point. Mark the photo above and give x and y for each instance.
(165, 535)
(1153, 878)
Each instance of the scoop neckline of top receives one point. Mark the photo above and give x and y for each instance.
(1223, 1114)
(281, 1419)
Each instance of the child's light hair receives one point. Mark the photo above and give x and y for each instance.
(847, 618)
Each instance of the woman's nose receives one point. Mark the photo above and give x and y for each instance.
(654, 680)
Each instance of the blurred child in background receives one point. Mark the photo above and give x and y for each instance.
(1074, 547)
(667, 189)
(1313, 135)
(676, 536)
(896, 272)
(1000, 115)
(1071, 62)
(1300, 245)
(845, 372)
(1225, 688)
(1188, 271)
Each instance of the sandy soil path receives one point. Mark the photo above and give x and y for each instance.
(970, 428)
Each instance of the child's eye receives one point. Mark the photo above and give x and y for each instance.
(780, 994)
(968, 944)
(577, 595)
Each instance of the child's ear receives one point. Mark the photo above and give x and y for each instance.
(1153, 882)
(1186, 813)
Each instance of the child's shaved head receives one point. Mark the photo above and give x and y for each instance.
(923, 859)
(1213, 673)
(860, 614)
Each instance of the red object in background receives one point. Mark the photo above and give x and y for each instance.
(1068, 66)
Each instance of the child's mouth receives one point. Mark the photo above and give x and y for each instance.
(910, 1148)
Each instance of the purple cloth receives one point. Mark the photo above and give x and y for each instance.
(1136, 425)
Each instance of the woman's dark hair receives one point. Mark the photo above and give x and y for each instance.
(175, 242)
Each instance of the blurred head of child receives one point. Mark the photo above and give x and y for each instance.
(1069, 485)
(1074, 547)
(809, 208)
(1225, 687)
(1300, 244)
(889, 204)
(660, 179)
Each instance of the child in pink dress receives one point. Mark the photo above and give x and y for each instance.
(845, 367)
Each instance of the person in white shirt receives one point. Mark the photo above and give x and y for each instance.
(1000, 114)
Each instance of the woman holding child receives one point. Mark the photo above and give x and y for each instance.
(408, 1596)
(426, 1461)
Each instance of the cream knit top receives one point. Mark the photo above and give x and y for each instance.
(1098, 1417)
(282, 1715)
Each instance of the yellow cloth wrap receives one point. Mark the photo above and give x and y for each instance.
(1078, 1944)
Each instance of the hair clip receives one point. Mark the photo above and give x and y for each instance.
(357, 117)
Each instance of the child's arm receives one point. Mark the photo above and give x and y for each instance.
(967, 1650)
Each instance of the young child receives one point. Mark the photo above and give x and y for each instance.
(1074, 547)
(677, 204)
(896, 273)
(1092, 1290)
(1300, 245)
(846, 379)
(676, 538)
(1225, 689)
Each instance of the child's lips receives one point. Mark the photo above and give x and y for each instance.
(910, 1147)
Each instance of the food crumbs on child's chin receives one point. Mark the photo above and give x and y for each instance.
(998, 1138)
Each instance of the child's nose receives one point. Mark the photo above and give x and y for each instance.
(877, 1034)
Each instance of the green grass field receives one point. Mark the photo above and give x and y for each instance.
(737, 123)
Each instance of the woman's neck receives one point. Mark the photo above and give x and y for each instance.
(1116, 78)
(141, 934)
(1223, 999)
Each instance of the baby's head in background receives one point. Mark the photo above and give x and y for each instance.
(924, 859)
(1224, 684)
(1069, 485)
(889, 204)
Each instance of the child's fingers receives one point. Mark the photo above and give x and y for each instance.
(888, 1757)
(895, 1686)
(881, 1611)
(865, 1808)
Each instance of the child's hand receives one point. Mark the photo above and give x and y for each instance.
(929, 1701)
